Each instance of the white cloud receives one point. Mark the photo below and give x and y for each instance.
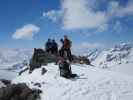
(78, 15)
(26, 32)
(53, 15)
(115, 10)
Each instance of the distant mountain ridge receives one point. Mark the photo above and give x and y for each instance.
(14, 56)
(119, 54)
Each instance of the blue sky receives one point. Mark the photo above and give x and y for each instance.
(88, 23)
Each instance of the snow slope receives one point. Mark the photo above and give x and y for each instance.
(115, 82)
(93, 84)
(12, 60)
(120, 54)
(93, 54)
(123, 68)
(14, 56)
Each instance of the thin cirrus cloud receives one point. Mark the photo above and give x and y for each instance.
(53, 15)
(79, 14)
(26, 32)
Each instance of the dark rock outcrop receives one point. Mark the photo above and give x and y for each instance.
(43, 71)
(81, 60)
(22, 71)
(5, 82)
(19, 92)
(41, 57)
(37, 84)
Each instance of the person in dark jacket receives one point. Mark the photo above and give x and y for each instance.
(61, 51)
(54, 47)
(48, 46)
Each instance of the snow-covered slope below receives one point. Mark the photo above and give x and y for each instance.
(123, 68)
(120, 54)
(14, 56)
(6, 74)
(93, 84)
(11, 60)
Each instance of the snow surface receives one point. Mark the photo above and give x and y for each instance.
(120, 54)
(9, 75)
(124, 69)
(93, 84)
(13, 59)
(111, 77)
(14, 56)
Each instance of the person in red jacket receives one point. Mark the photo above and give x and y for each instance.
(67, 47)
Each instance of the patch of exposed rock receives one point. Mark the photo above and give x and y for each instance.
(18, 91)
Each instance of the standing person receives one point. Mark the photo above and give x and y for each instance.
(54, 47)
(61, 51)
(48, 46)
(67, 47)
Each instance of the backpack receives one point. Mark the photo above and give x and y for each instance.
(65, 69)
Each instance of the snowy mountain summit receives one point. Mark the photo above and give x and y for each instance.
(119, 54)
(92, 84)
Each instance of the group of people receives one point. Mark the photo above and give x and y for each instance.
(65, 55)
(51, 46)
